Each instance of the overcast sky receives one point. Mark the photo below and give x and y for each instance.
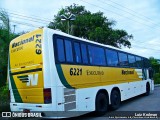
(140, 18)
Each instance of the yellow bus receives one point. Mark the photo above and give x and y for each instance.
(54, 73)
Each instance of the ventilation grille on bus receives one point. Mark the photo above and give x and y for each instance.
(70, 99)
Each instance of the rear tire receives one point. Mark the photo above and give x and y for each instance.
(147, 89)
(101, 104)
(115, 99)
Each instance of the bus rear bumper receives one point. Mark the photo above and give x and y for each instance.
(46, 110)
(31, 107)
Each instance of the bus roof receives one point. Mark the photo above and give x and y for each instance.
(89, 41)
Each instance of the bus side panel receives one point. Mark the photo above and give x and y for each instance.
(75, 76)
(86, 102)
(51, 77)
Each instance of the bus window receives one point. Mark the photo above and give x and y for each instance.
(84, 53)
(96, 55)
(138, 62)
(112, 57)
(77, 52)
(60, 50)
(123, 61)
(68, 49)
(132, 61)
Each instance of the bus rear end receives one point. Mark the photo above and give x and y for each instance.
(26, 80)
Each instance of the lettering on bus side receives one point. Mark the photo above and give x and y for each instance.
(17, 49)
(38, 44)
(16, 44)
(127, 72)
(75, 71)
(94, 72)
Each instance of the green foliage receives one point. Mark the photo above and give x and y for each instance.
(156, 78)
(155, 65)
(153, 61)
(4, 94)
(4, 50)
(4, 99)
(93, 26)
(5, 37)
(4, 17)
(156, 69)
(4, 89)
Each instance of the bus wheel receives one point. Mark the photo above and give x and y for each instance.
(147, 89)
(115, 99)
(101, 104)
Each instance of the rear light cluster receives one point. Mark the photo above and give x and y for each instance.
(47, 95)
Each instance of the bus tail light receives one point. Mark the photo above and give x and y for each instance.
(47, 95)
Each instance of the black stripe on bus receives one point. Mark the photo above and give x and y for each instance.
(21, 77)
(27, 71)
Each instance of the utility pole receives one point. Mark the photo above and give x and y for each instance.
(14, 26)
(70, 18)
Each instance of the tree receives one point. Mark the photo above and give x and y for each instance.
(5, 37)
(156, 68)
(92, 26)
(155, 65)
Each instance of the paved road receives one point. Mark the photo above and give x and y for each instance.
(142, 104)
